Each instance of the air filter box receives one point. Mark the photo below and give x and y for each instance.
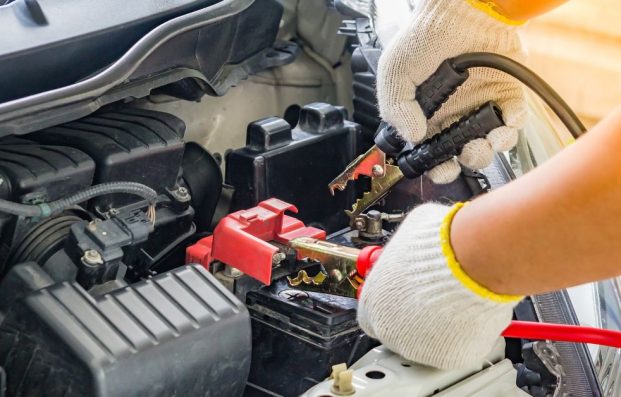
(51, 171)
(129, 145)
(178, 334)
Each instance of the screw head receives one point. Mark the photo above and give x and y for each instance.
(183, 192)
(375, 215)
(92, 257)
(377, 170)
(293, 294)
(278, 257)
(360, 224)
(336, 275)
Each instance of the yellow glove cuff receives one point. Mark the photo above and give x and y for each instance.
(458, 271)
(491, 9)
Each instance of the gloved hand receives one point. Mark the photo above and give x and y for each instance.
(438, 30)
(419, 302)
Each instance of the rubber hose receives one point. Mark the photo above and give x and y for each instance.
(45, 210)
(528, 78)
(25, 210)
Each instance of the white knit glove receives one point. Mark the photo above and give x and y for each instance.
(419, 303)
(438, 30)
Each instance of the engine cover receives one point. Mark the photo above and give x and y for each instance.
(178, 334)
(130, 145)
(297, 165)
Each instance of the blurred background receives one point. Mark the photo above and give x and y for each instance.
(577, 49)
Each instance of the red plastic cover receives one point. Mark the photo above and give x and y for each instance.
(242, 239)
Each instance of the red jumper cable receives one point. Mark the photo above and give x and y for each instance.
(563, 333)
(526, 329)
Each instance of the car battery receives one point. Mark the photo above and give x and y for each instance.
(298, 336)
(296, 165)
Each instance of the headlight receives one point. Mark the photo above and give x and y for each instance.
(608, 315)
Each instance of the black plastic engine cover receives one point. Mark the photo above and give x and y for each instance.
(54, 43)
(297, 165)
(51, 171)
(178, 334)
(79, 55)
(31, 172)
(132, 145)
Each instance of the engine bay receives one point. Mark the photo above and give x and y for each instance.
(105, 289)
(260, 302)
(239, 276)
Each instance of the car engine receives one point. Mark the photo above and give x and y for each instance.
(236, 278)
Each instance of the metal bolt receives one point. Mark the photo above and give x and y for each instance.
(293, 295)
(375, 215)
(92, 257)
(336, 275)
(393, 218)
(278, 257)
(377, 170)
(232, 272)
(182, 192)
(360, 224)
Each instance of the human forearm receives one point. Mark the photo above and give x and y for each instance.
(525, 10)
(417, 300)
(553, 228)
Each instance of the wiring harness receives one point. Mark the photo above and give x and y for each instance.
(45, 210)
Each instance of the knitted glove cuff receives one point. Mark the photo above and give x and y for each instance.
(455, 267)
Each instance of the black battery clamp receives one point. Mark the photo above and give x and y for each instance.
(438, 88)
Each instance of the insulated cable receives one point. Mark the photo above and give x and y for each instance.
(529, 78)
(432, 93)
(563, 333)
(44, 210)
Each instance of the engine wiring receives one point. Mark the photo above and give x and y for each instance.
(45, 210)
